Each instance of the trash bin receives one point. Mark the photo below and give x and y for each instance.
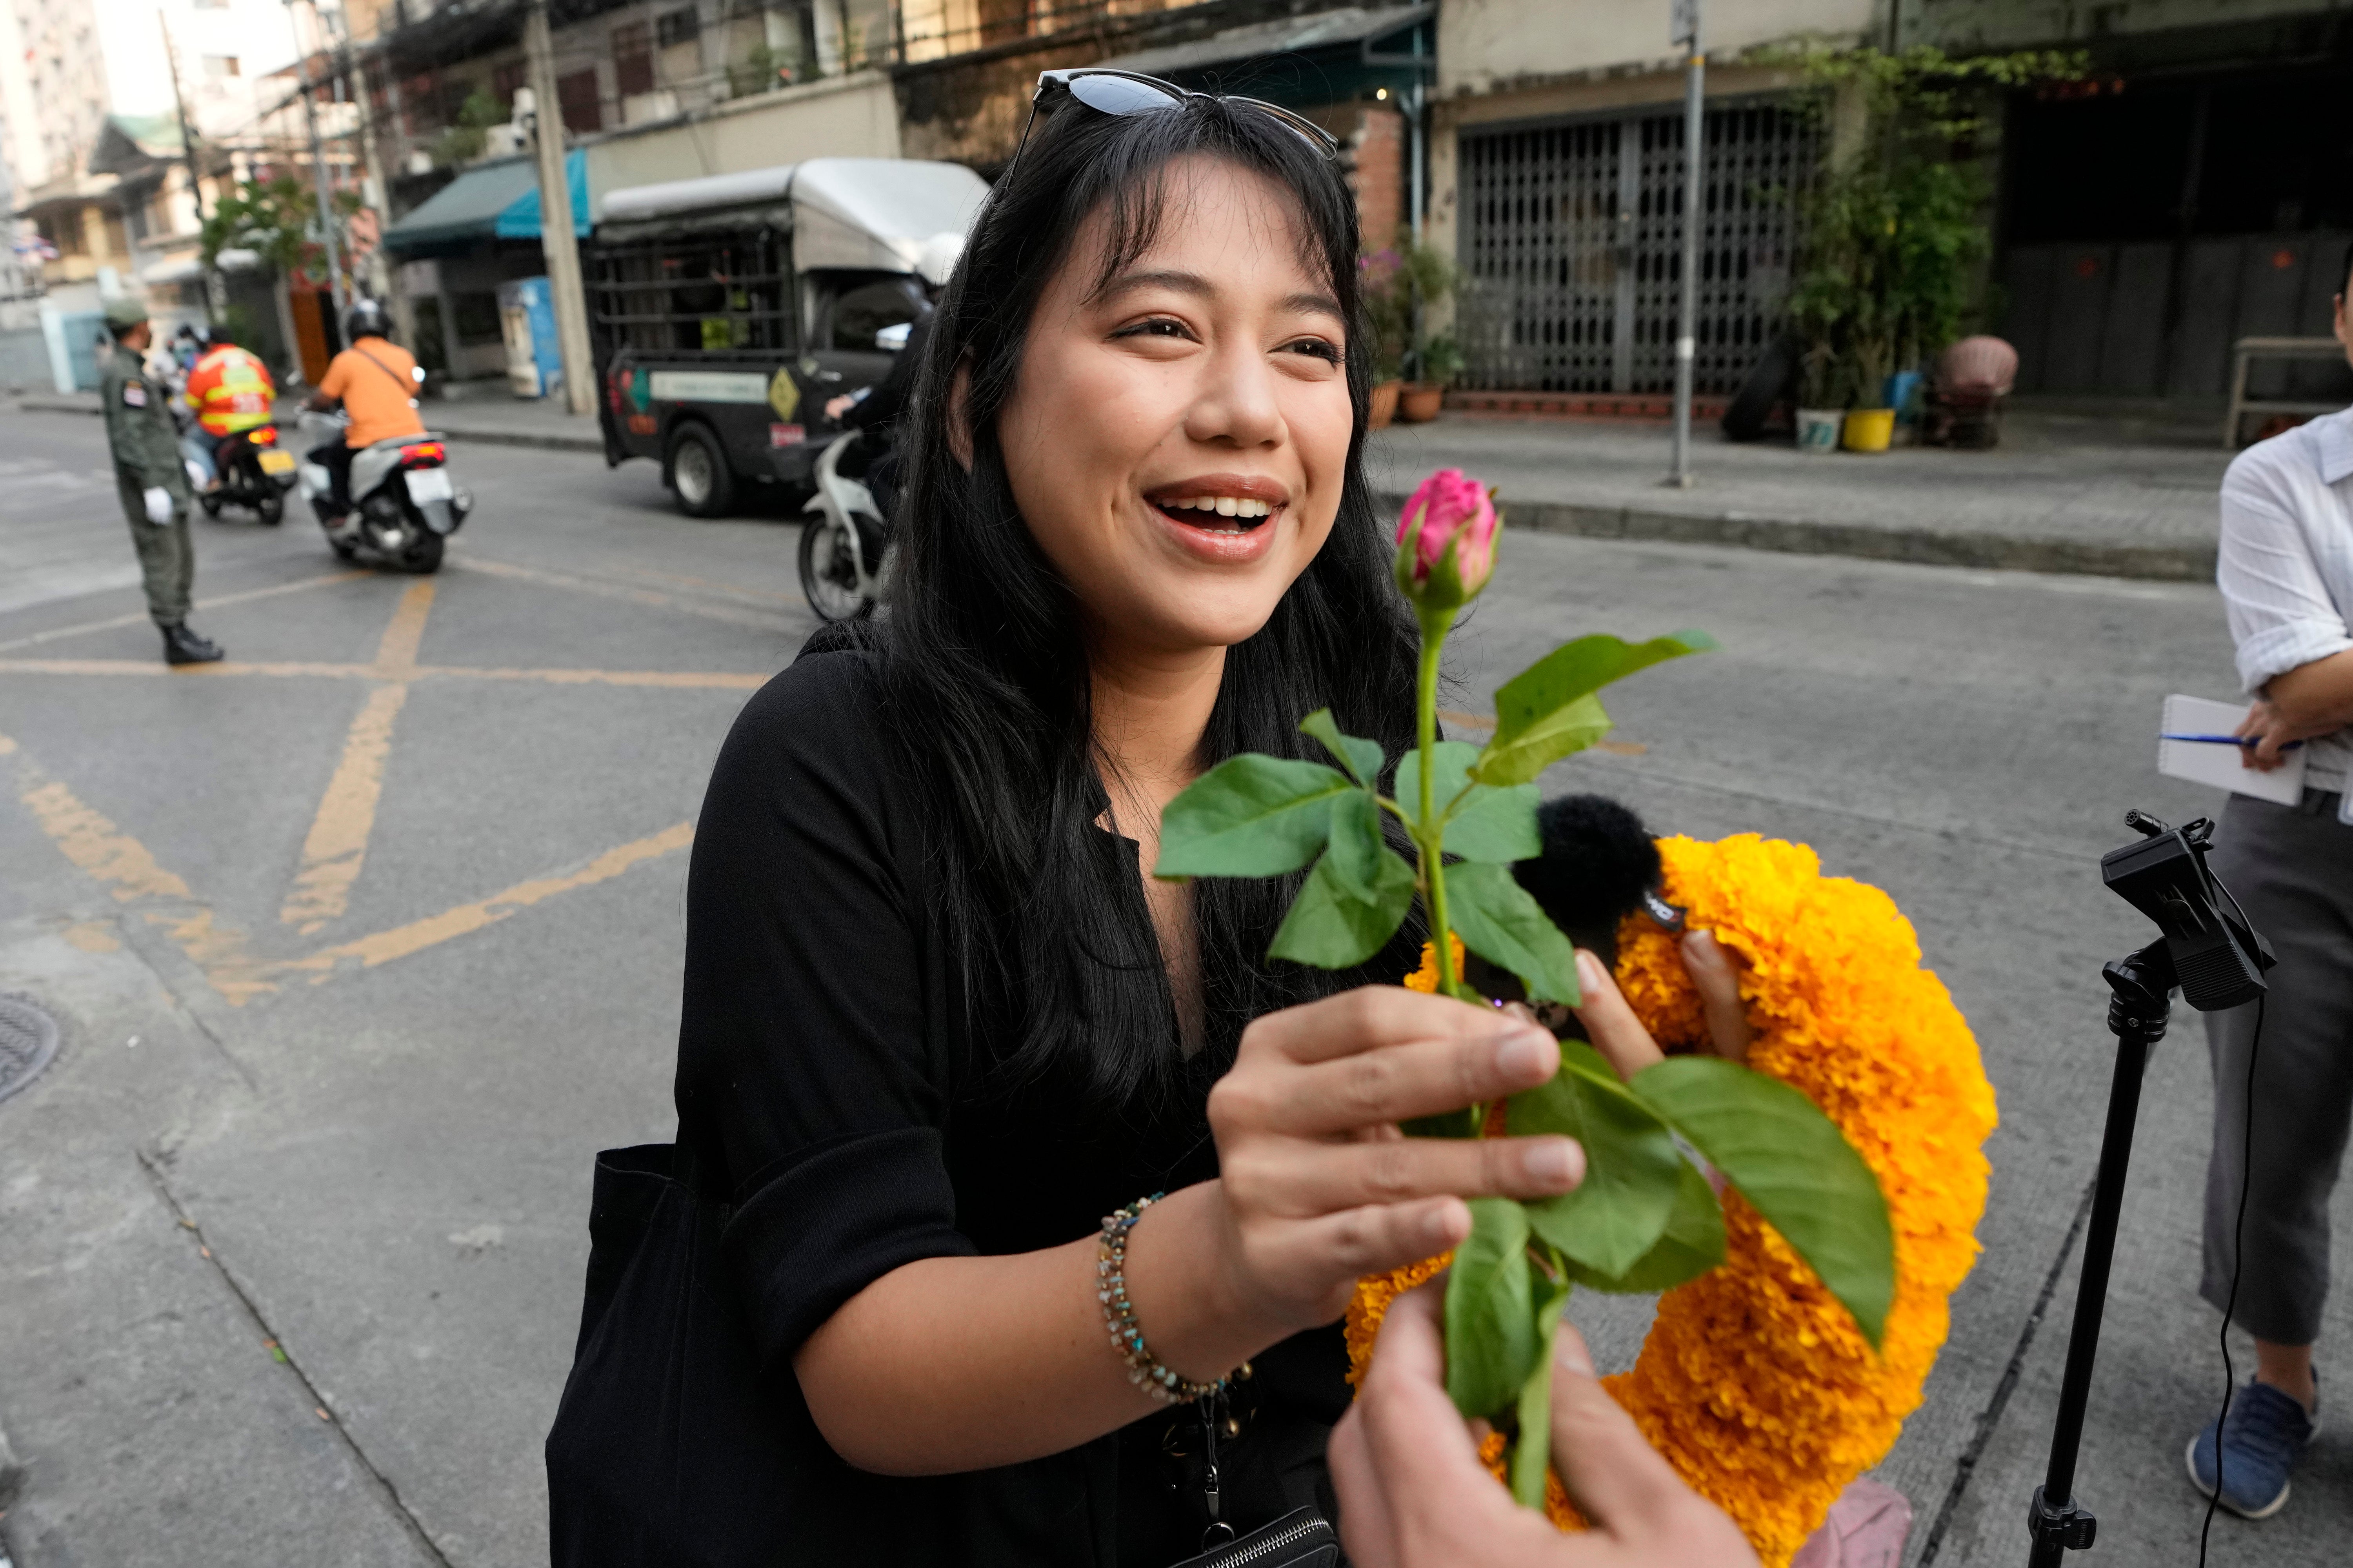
(527, 321)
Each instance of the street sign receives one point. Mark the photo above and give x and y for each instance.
(1683, 23)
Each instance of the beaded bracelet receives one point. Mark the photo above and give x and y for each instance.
(1144, 1369)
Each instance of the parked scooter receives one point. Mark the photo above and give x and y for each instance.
(404, 508)
(255, 473)
(842, 547)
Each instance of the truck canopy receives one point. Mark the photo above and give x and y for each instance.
(883, 214)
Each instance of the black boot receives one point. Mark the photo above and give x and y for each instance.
(182, 646)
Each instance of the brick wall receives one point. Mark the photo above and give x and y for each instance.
(1377, 174)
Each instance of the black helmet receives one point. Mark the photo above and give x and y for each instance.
(365, 319)
(220, 338)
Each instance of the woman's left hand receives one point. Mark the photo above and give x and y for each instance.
(1610, 1023)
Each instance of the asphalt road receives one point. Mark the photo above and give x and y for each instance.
(367, 941)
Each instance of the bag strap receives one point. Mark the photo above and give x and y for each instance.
(406, 390)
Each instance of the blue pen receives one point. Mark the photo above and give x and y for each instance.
(2227, 741)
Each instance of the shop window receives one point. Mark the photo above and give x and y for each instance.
(680, 26)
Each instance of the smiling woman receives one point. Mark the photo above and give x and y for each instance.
(937, 1022)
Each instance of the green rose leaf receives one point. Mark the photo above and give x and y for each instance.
(1355, 898)
(1618, 1212)
(1250, 815)
(1794, 1166)
(1548, 711)
(1361, 757)
(1497, 919)
(1497, 826)
(1491, 1340)
(1532, 1453)
(1691, 1244)
(1450, 771)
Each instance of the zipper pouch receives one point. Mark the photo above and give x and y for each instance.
(1300, 1538)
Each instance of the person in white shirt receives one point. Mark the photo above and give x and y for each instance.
(2285, 569)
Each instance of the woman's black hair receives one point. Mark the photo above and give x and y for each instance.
(984, 672)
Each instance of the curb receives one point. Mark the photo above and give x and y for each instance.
(51, 404)
(1916, 546)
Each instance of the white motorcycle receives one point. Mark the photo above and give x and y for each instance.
(843, 546)
(404, 508)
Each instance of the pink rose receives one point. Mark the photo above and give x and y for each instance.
(1450, 506)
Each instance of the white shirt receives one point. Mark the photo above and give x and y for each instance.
(2285, 565)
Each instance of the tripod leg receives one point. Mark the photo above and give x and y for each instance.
(2056, 1520)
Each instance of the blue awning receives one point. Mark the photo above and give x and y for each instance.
(491, 201)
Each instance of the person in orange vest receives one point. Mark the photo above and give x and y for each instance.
(230, 391)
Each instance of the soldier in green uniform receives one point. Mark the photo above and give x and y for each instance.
(153, 484)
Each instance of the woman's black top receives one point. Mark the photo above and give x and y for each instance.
(834, 1086)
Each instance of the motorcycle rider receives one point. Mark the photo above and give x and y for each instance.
(375, 381)
(231, 392)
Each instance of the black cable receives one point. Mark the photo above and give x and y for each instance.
(2238, 1241)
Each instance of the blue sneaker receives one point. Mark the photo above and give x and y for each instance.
(2267, 1435)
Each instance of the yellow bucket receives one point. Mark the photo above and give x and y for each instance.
(1869, 430)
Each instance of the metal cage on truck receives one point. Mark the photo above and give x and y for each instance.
(724, 312)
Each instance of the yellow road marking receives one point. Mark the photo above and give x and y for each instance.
(103, 851)
(401, 941)
(679, 680)
(732, 614)
(140, 618)
(676, 679)
(337, 842)
(226, 669)
(395, 656)
(123, 865)
(336, 846)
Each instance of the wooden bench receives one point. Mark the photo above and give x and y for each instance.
(2248, 350)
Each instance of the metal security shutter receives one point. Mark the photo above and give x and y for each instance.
(1571, 240)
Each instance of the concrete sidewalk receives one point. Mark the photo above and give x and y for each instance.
(2114, 493)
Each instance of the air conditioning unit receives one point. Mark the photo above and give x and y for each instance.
(505, 140)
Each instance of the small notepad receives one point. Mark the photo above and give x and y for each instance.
(2202, 762)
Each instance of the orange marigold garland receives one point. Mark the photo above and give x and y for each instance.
(1755, 1383)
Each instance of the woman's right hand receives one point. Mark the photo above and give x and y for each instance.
(1318, 1185)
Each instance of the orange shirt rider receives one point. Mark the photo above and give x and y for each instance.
(376, 380)
(230, 391)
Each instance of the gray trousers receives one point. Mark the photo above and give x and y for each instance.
(2292, 868)
(167, 559)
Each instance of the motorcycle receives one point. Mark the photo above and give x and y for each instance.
(255, 473)
(843, 546)
(404, 508)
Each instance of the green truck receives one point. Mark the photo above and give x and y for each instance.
(725, 312)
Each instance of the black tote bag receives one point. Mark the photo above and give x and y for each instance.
(666, 1448)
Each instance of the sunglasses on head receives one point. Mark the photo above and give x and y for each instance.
(1110, 92)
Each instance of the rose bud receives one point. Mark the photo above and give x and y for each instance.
(1449, 509)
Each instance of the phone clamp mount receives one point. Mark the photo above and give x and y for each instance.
(2217, 960)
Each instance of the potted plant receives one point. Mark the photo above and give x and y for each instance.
(1441, 363)
(1892, 218)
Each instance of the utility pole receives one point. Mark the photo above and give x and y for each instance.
(380, 283)
(556, 240)
(318, 176)
(213, 300)
(1686, 33)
